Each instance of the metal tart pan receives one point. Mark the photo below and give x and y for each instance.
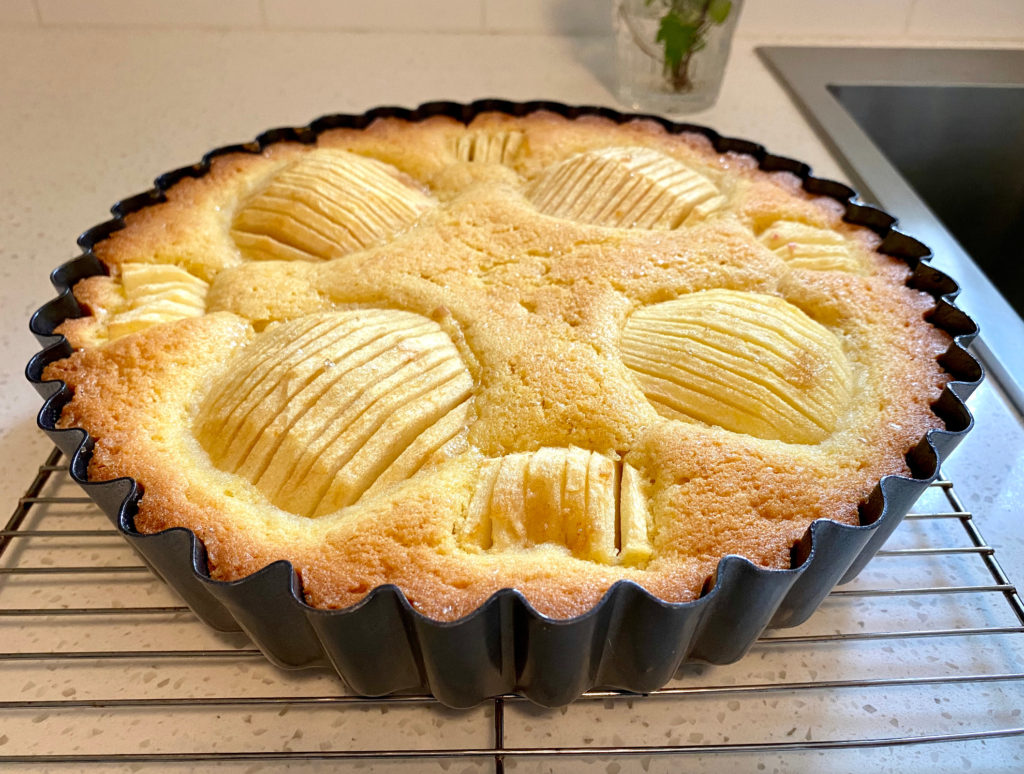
(630, 640)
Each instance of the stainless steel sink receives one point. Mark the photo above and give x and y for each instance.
(936, 137)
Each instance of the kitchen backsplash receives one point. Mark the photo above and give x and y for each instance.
(924, 20)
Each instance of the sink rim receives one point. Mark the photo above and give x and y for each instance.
(808, 72)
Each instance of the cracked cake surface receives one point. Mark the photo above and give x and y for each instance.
(531, 353)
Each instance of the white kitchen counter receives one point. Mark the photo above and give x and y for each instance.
(90, 116)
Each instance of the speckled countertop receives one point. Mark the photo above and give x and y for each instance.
(90, 116)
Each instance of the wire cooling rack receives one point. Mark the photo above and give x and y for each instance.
(918, 663)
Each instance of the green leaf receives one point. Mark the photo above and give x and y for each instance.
(677, 36)
(718, 10)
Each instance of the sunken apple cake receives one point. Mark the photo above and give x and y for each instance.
(532, 352)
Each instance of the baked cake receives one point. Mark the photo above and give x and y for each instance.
(532, 353)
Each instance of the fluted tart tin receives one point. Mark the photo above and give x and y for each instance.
(630, 640)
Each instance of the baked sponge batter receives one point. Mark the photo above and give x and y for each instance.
(531, 352)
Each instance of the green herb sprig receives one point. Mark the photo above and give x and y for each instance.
(682, 32)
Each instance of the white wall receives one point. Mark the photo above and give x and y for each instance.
(821, 20)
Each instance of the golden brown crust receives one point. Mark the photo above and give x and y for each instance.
(524, 293)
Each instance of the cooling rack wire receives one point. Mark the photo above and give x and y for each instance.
(917, 664)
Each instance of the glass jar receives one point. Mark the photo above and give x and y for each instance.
(671, 54)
